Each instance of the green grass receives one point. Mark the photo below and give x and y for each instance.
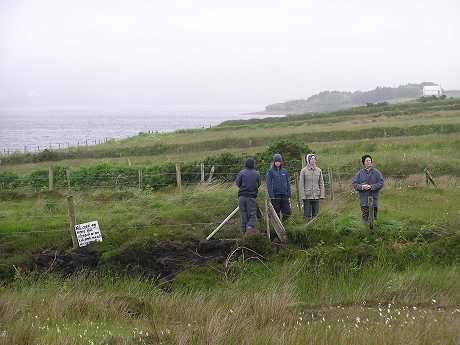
(335, 282)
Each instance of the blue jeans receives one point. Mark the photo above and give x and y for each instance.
(248, 212)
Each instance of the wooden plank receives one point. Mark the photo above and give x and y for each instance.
(267, 218)
(223, 223)
(277, 225)
(211, 174)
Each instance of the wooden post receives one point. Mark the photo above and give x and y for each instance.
(67, 174)
(340, 180)
(140, 178)
(50, 179)
(223, 223)
(202, 172)
(72, 221)
(429, 178)
(297, 180)
(267, 218)
(331, 183)
(302, 160)
(178, 177)
(211, 173)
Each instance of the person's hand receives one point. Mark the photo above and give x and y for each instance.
(366, 186)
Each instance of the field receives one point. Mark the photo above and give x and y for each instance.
(153, 281)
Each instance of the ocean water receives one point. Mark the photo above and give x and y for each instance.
(32, 129)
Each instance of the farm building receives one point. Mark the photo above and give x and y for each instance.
(432, 90)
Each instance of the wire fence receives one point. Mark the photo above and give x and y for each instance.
(150, 178)
(336, 192)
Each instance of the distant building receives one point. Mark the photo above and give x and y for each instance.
(432, 90)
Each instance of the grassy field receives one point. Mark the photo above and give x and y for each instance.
(335, 282)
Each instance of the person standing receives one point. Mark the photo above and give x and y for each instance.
(311, 187)
(248, 182)
(368, 182)
(279, 187)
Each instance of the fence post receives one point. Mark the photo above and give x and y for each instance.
(50, 179)
(67, 175)
(140, 178)
(202, 172)
(331, 183)
(178, 177)
(299, 202)
(302, 160)
(211, 173)
(72, 221)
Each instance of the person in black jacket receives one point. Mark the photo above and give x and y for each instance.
(279, 187)
(248, 182)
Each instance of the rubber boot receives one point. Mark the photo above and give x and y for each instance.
(365, 213)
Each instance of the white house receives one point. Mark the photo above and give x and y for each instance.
(432, 90)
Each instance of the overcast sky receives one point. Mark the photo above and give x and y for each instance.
(208, 52)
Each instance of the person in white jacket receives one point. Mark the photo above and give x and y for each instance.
(311, 187)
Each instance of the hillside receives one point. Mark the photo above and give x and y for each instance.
(335, 100)
(154, 280)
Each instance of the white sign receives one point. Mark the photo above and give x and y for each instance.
(87, 233)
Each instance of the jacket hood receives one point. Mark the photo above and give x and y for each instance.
(277, 158)
(250, 163)
(308, 157)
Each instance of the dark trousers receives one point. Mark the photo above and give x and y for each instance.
(310, 208)
(282, 207)
(365, 212)
(248, 212)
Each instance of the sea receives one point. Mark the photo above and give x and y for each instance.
(35, 129)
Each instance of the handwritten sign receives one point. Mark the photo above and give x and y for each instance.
(87, 233)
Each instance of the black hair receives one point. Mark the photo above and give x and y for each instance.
(363, 158)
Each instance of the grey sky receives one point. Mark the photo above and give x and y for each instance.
(219, 52)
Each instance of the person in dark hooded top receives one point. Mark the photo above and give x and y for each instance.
(248, 182)
(279, 187)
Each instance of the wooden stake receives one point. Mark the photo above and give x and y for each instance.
(299, 202)
(331, 183)
(302, 160)
(140, 178)
(178, 177)
(72, 221)
(223, 223)
(202, 172)
(50, 179)
(429, 178)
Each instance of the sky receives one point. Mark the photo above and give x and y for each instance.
(210, 52)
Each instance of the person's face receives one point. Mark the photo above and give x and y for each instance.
(313, 161)
(277, 164)
(367, 163)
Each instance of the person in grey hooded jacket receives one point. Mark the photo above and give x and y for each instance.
(368, 182)
(248, 182)
(311, 187)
